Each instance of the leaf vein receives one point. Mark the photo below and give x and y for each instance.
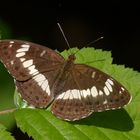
(32, 126)
(52, 124)
(82, 132)
(103, 133)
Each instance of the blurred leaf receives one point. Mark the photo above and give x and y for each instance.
(5, 135)
(6, 83)
(5, 30)
(6, 97)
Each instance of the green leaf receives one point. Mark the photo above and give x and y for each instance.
(6, 84)
(42, 125)
(5, 135)
(122, 124)
(5, 30)
(6, 97)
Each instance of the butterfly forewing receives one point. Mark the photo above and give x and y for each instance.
(88, 90)
(25, 59)
(34, 68)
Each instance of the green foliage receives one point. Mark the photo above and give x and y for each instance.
(5, 31)
(6, 84)
(6, 96)
(121, 124)
(4, 135)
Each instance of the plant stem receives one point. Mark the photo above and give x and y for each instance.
(7, 111)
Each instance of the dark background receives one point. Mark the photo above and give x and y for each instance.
(82, 22)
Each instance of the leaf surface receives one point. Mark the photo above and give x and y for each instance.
(5, 135)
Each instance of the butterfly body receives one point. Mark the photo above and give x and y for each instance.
(44, 77)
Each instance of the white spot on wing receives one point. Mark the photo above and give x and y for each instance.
(22, 50)
(86, 93)
(70, 94)
(66, 95)
(120, 92)
(94, 91)
(100, 92)
(42, 53)
(42, 81)
(76, 94)
(25, 45)
(48, 90)
(22, 59)
(20, 54)
(12, 62)
(40, 78)
(93, 74)
(11, 42)
(27, 63)
(44, 85)
(122, 88)
(10, 45)
(32, 70)
(110, 81)
(108, 85)
(106, 91)
(83, 93)
(60, 96)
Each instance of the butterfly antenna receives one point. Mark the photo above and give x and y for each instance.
(95, 41)
(64, 36)
(91, 43)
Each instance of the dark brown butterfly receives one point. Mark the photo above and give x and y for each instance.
(44, 77)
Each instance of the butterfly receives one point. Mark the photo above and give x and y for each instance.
(74, 91)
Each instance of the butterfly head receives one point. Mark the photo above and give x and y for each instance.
(71, 57)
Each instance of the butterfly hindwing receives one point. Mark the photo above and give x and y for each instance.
(91, 91)
(68, 104)
(37, 91)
